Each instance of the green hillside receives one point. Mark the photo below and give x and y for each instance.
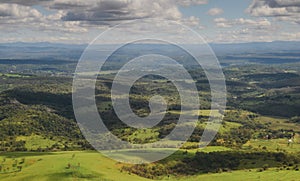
(40, 139)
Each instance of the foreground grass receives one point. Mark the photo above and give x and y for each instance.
(94, 166)
(247, 175)
(63, 166)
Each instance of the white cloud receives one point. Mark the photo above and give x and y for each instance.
(291, 36)
(190, 2)
(225, 23)
(215, 11)
(27, 2)
(106, 12)
(19, 18)
(259, 8)
(244, 35)
(72, 14)
(71, 17)
(17, 11)
(284, 10)
(191, 21)
(245, 30)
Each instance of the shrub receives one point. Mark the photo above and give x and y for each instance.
(265, 166)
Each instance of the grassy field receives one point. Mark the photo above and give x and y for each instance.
(199, 112)
(275, 144)
(15, 75)
(34, 142)
(247, 175)
(278, 123)
(94, 166)
(62, 166)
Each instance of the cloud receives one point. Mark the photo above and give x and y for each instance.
(69, 4)
(215, 11)
(26, 2)
(92, 12)
(244, 30)
(285, 10)
(265, 8)
(291, 36)
(111, 12)
(107, 12)
(193, 22)
(15, 17)
(255, 29)
(258, 23)
(67, 18)
(17, 11)
(19, 18)
(247, 34)
(190, 2)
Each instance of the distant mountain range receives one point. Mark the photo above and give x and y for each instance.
(256, 47)
(230, 47)
(42, 44)
(259, 52)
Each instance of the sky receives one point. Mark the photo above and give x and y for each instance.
(217, 21)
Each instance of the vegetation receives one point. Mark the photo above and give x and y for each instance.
(38, 127)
